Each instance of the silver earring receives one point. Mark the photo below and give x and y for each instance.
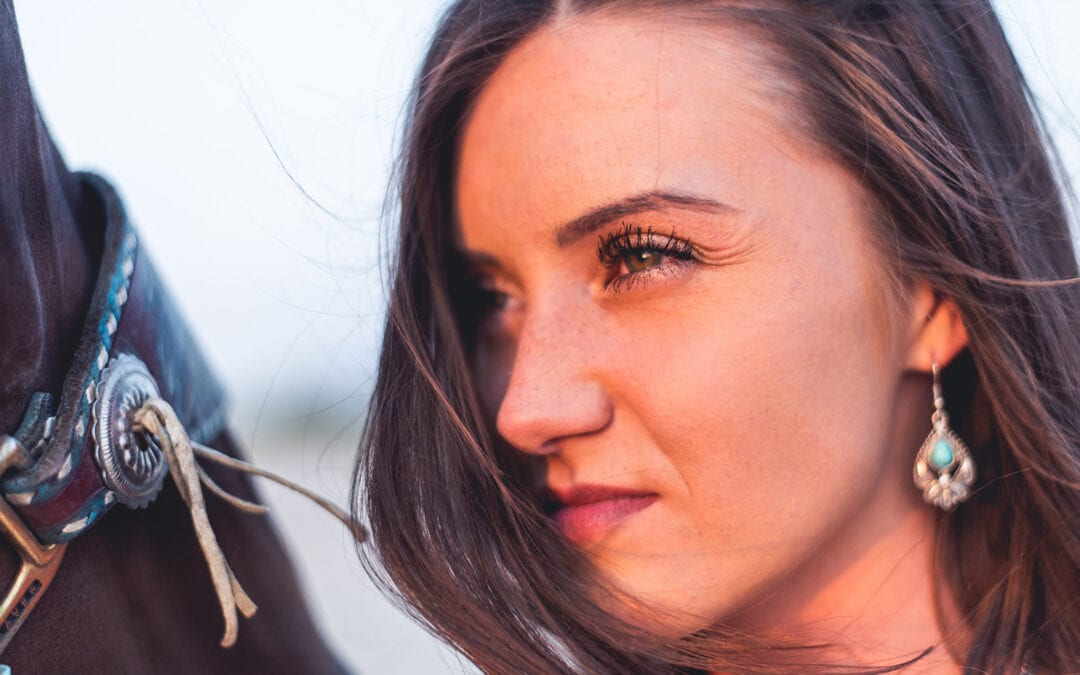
(944, 470)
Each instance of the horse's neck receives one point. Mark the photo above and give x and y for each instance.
(46, 267)
(49, 265)
(133, 593)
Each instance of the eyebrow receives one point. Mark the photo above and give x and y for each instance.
(655, 200)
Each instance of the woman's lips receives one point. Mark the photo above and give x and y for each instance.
(586, 514)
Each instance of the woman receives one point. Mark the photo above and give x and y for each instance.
(674, 286)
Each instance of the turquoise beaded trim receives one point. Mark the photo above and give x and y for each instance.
(19, 492)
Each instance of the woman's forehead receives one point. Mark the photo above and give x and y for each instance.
(599, 107)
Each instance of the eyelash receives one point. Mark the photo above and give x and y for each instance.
(613, 248)
(611, 251)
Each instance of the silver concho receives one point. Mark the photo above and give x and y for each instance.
(131, 464)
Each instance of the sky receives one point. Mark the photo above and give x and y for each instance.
(253, 143)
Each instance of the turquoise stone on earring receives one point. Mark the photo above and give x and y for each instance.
(944, 470)
(942, 454)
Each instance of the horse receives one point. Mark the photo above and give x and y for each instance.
(101, 550)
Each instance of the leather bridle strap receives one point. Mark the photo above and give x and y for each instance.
(137, 406)
(72, 459)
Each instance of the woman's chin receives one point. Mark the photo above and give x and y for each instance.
(660, 619)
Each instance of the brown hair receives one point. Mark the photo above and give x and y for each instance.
(924, 101)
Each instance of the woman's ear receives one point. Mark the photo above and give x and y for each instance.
(937, 330)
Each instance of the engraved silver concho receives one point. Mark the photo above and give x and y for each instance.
(132, 465)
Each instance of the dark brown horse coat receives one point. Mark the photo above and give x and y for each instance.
(132, 594)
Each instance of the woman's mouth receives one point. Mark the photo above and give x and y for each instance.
(586, 513)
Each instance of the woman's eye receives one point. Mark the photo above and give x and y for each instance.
(491, 301)
(633, 254)
(642, 259)
(481, 298)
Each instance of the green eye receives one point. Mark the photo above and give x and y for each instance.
(641, 259)
(632, 254)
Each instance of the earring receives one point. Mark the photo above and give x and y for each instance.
(944, 470)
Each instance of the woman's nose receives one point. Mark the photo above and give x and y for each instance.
(553, 391)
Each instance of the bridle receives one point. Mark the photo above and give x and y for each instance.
(71, 461)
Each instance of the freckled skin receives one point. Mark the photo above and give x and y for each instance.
(766, 393)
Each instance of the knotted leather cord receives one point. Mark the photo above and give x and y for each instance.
(356, 529)
(157, 418)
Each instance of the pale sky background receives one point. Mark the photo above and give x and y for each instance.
(183, 104)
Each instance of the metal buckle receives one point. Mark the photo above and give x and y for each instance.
(38, 563)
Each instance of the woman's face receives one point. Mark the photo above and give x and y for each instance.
(691, 330)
